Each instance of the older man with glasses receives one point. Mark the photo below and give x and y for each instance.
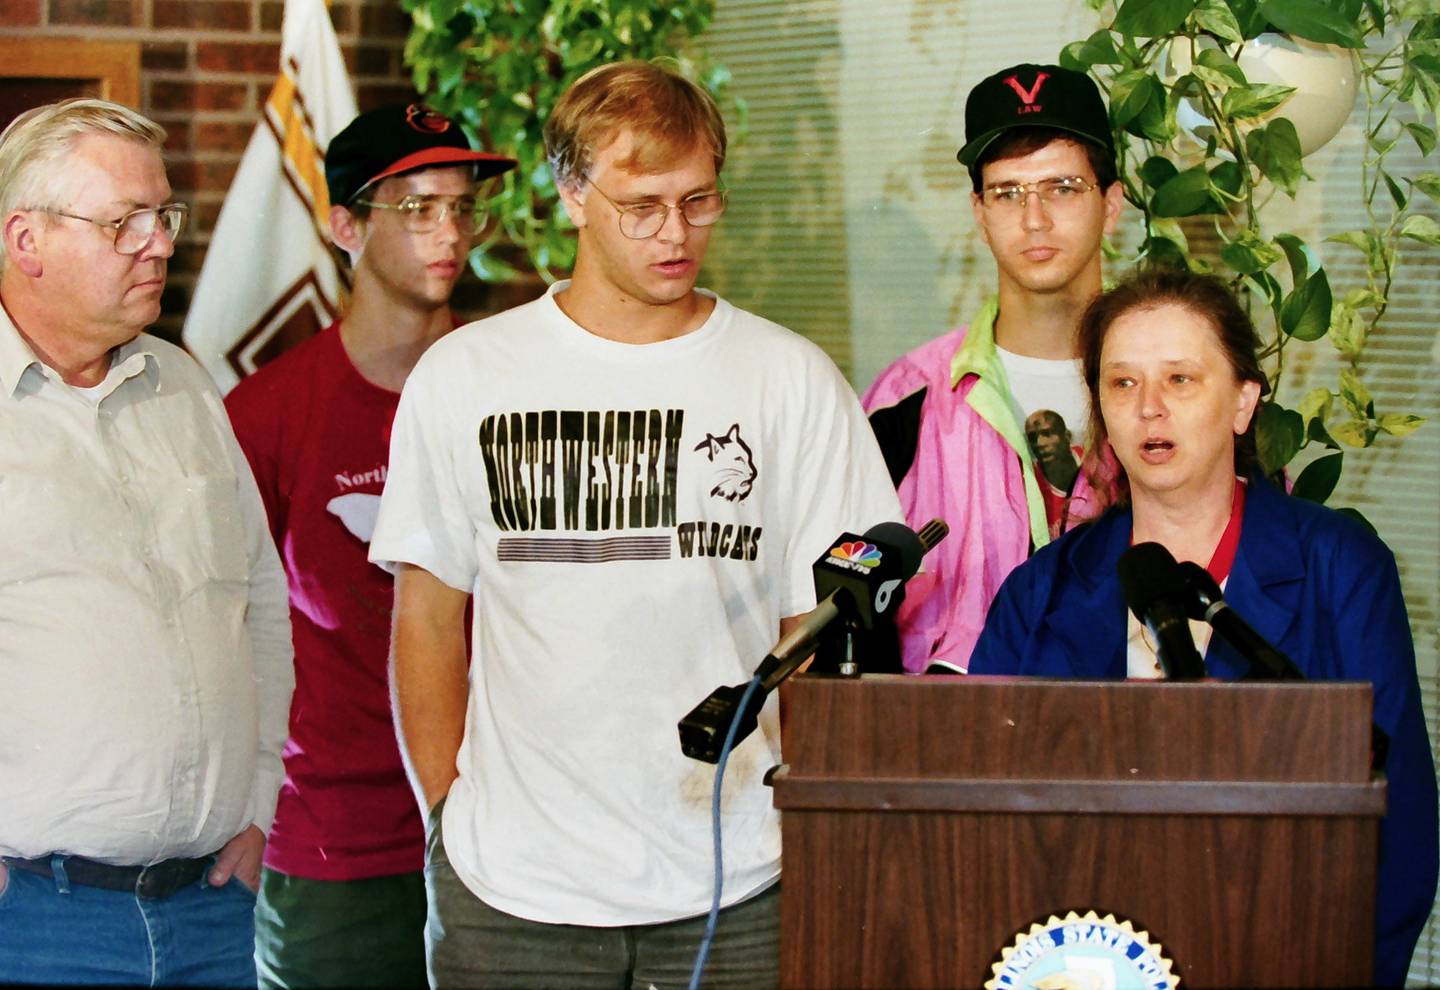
(342, 899)
(633, 478)
(952, 415)
(143, 630)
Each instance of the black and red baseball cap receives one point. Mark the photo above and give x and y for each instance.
(395, 140)
(1030, 95)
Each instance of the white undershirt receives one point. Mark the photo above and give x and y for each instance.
(1048, 383)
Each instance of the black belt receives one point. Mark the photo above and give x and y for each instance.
(155, 881)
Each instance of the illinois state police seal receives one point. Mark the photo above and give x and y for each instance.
(1082, 952)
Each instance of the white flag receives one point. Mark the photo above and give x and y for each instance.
(270, 278)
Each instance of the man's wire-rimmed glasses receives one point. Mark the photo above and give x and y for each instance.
(641, 220)
(422, 214)
(137, 228)
(1060, 191)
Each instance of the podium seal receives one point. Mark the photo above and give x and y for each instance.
(1082, 952)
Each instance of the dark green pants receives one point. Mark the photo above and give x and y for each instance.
(350, 933)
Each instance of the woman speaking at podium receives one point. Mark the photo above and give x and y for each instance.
(1170, 362)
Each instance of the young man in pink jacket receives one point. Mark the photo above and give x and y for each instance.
(983, 427)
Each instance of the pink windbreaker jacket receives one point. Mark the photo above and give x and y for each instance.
(970, 467)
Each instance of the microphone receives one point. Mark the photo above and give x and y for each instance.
(861, 579)
(860, 582)
(1206, 603)
(1156, 592)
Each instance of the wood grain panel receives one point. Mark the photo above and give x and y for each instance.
(928, 900)
(1014, 728)
(927, 821)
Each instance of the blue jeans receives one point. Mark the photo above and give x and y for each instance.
(54, 932)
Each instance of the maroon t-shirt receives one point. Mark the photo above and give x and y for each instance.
(317, 435)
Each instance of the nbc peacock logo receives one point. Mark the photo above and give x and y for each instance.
(864, 554)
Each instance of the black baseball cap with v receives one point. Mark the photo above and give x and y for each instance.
(399, 139)
(1031, 95)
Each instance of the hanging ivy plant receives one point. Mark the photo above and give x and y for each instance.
(1161, 59)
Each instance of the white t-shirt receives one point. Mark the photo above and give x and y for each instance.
(1052, 405)
(633, 522)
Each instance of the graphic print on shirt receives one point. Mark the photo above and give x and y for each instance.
(734, 464)
(560, 480)
(357, 510)
(1056, 455)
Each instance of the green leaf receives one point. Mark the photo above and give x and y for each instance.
(1217, 18)
(1127, 98)
(1315, 405)
(1355, 395)
(1318, 434)
(1186, 195)
(1297, 252)
(1358, 299)
(1229, 178)
(1429, 184)
(1162, 252)
(1218, 69)
(1269, 288)
(1249, 253)
(1376, 10)
(1305, 314)
(1400, 424)
(1275, 151)
(1419, 227)
(1254, 100)
(1279, 434)
(1151, 18)
(1137, 104)
(1352, 432)
(1157, 171)
(1247, 15)
(1382, 143)
(1319, 478)
(1312, 20)
(1361, 240)
(1396, 193)
(1348, 331)
(1424, 137)
(1098, 49)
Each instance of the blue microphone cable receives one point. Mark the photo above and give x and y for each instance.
(710, 923)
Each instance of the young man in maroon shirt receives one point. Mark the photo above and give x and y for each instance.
(342, 899)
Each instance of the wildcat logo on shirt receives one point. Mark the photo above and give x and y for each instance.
(734, 464)
(555, 474)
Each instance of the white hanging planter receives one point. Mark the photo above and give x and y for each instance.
(1324, 77)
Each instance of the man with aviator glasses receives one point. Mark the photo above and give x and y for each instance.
(342, 898)
(951, 415)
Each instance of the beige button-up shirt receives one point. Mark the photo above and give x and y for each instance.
(145, 658)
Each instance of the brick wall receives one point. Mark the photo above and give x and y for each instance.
(206, 68)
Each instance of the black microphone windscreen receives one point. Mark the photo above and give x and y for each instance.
(1147, 573)
(903, 539)
(1204, 590)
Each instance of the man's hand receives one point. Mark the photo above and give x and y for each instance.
(240, 857)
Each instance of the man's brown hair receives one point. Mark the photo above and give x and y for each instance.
(668, 113)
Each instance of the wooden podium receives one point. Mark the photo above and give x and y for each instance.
(928, 821)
